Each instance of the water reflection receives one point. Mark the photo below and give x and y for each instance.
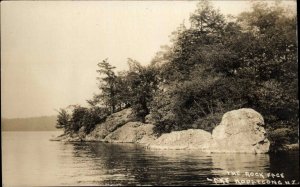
(238, 164)
(31, 159)
(287, 164)
(127, 164)
(132, 164)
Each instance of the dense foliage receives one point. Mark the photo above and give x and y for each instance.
(215, 65)
(218, 65)
(80, 118)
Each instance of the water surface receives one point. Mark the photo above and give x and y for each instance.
(30, 159)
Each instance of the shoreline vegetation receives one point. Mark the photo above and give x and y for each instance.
(225, 83)
(240, 131)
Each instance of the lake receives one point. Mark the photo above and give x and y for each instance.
(30, 159)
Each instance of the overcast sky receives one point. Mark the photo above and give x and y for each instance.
(50, 50)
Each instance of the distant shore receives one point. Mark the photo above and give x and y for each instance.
(43, 123)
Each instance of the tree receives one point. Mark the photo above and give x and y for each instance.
(93, 116)
(81, 117)
(63, 120)
(212, 67)
(269, 63)
(207, 20)
(77, 118)
(123, 90)
(107, 84)
(142, 85)
(215, 66)
(191, 73)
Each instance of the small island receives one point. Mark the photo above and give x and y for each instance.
(224, 85)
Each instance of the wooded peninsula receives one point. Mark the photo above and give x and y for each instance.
(215, 64)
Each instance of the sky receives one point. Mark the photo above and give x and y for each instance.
(50, 49)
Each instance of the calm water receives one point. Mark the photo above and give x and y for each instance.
(29, 158)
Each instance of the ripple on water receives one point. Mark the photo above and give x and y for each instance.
(30, 159)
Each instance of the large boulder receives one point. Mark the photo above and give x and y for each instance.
(186, 139)
(111, 123)
(240, 131)
(132, 132)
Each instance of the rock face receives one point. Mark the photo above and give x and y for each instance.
(132, 132)
(112, 122)
(186, 139)
(240, 131)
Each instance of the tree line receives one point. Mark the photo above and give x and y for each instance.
(133, 88)
(214, 65)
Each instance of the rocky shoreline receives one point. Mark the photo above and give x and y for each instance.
(240, 131)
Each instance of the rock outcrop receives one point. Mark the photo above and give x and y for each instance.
(240, 131)
(186, 139)
(111, 123)
(132, 132)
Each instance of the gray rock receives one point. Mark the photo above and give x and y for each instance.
(240, 131)
(186, 139)
(112, 122)
(132, 132)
